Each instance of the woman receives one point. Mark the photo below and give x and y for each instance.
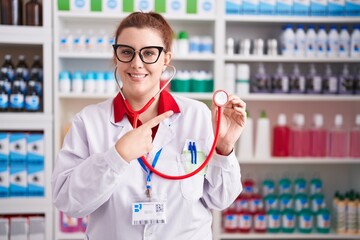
(98, 172)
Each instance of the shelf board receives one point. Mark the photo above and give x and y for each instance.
(106, 16)
(287, 236)
(280, 58)
(25, 205)
(24, 35)
(290, 19)
(195, 57)
(298, 97)
(70, 236)
(24, 117)
(301, 160)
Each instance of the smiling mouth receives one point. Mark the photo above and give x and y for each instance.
(137, 75)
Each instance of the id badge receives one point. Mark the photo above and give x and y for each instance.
(148, 213)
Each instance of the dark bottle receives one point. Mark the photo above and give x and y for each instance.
(37, 68)
(11, 12)
(6, 81)
(16, 98)
(8, 67)
(32, 99)
(22, 68)
(19, 78)
(33, 12)
(4, 97)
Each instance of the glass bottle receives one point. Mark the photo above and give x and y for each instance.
(33, 11)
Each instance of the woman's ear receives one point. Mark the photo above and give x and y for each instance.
(168, 57)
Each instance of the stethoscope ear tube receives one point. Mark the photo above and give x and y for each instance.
(201, 167)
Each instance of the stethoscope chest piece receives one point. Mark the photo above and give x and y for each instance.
(220, 98)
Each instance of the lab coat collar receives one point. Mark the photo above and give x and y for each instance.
(166, 103)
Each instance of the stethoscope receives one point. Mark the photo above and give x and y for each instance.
(220, 98)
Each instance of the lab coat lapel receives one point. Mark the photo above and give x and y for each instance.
(164, 134)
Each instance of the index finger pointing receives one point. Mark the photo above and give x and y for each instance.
(156, 120)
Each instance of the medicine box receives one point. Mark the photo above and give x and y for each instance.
(4, 181)
(79, 5)
(35, 148)
(233, 7)
(336, 7)
(318, 7)
(176, 7)
(267, 7)
(18, 149)
(284, 7)
(35, 180)
(352, 7)
(4, 149)
(18, 181)
(250, 7)
(301, 7)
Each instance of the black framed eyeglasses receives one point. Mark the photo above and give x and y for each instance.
(148, 55)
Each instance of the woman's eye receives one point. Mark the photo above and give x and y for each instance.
(126, 52)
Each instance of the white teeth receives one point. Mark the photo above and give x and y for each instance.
(137, 75)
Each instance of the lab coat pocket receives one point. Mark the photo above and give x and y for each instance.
(192, 187)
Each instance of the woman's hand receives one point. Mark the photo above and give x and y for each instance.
(138, 141)
(233, 121)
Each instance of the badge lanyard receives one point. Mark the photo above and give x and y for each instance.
(149, 173)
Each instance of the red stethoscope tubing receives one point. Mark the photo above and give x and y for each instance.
(201, 167)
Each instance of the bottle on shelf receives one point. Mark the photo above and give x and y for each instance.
(355, 139)
(318, 137)
(261, 83)
(273, 221)
(16, 97)
(344, 42)
(33, 13)
(4, 98)
(8, 67)
(330, 82)
(280, 81)
(297, 81)
(281, 138)
(338, 138)
(321, 43)
(183, 44)
(22, 68)
(333, 42)
(262, 146)
(305, 221)
(245, 148)
(313, 81)
(7, 83)
(32, 99)
(288, 220)
(310, 41)
(300, 41)
(346, 81)
(66, 41)
(355, 42)
(287, 40)
(299, 138)
(11, 12)
(323, 221)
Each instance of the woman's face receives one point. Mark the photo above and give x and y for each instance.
(140, 79)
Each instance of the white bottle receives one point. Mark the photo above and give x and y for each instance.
(64, 82)
(243, 79)
(66, 41)
(89, 84)
(262, 146)
(102, 41)
(90, 41)
(321, 43)
(100, 82)
(287, 41)
(77, 83)
(300, 38)
(333, 43)
(355, 42)
(183, 44)
(110, 84)
(344, 42)
(310, 42)
(230, 77)
(79, 41)
(245, 148)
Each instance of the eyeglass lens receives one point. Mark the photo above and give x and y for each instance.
(147, 54)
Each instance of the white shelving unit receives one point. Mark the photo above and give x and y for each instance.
(221, 27)
(25, 40)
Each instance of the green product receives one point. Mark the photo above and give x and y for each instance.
(183, 35)
(301, 202)
(271, 202)
(305, 221)
(317, 202)
(95, 5)
(128, 5)
(300, 185)
(160, 6)
(273, 221)
(198, 85)
(209, 85)
(63, 5)
(180, 85)
(191, 6)
(286, 201)
(268, 186)
(288, 219)
(285, 185)
(323, 221)
(315, 186)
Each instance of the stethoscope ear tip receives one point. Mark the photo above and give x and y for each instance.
(220, 98)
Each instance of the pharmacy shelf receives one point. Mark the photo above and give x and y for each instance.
(279, 58)
(290, 19)
(70, 236)
(287, 236)
(25, 205)
(15, 35)
(302, 160)
(299, 97)
(27, 118)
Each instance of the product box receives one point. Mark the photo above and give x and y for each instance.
(267, 7)
(5, 227)
(18, 149)
(144, 5)
(111, 6)
(79, 5)
(336, 7)
(19, 228)
(318, 7)
(4, 181)
(250, 7)
(36, 228)
(175, 7)
(4, 149)
(35, 148)
(18, 181)
(352, 7)
(284, 7)
(35, 180)
(206, 7)
(233, 7)
(301, 7)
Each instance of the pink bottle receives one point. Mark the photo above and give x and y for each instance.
(299, 138)
(318, 137)
(68, 224)
(355, 139)
(338, 139)
(281, 138)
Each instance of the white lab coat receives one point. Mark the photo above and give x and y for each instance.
(91, 178)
